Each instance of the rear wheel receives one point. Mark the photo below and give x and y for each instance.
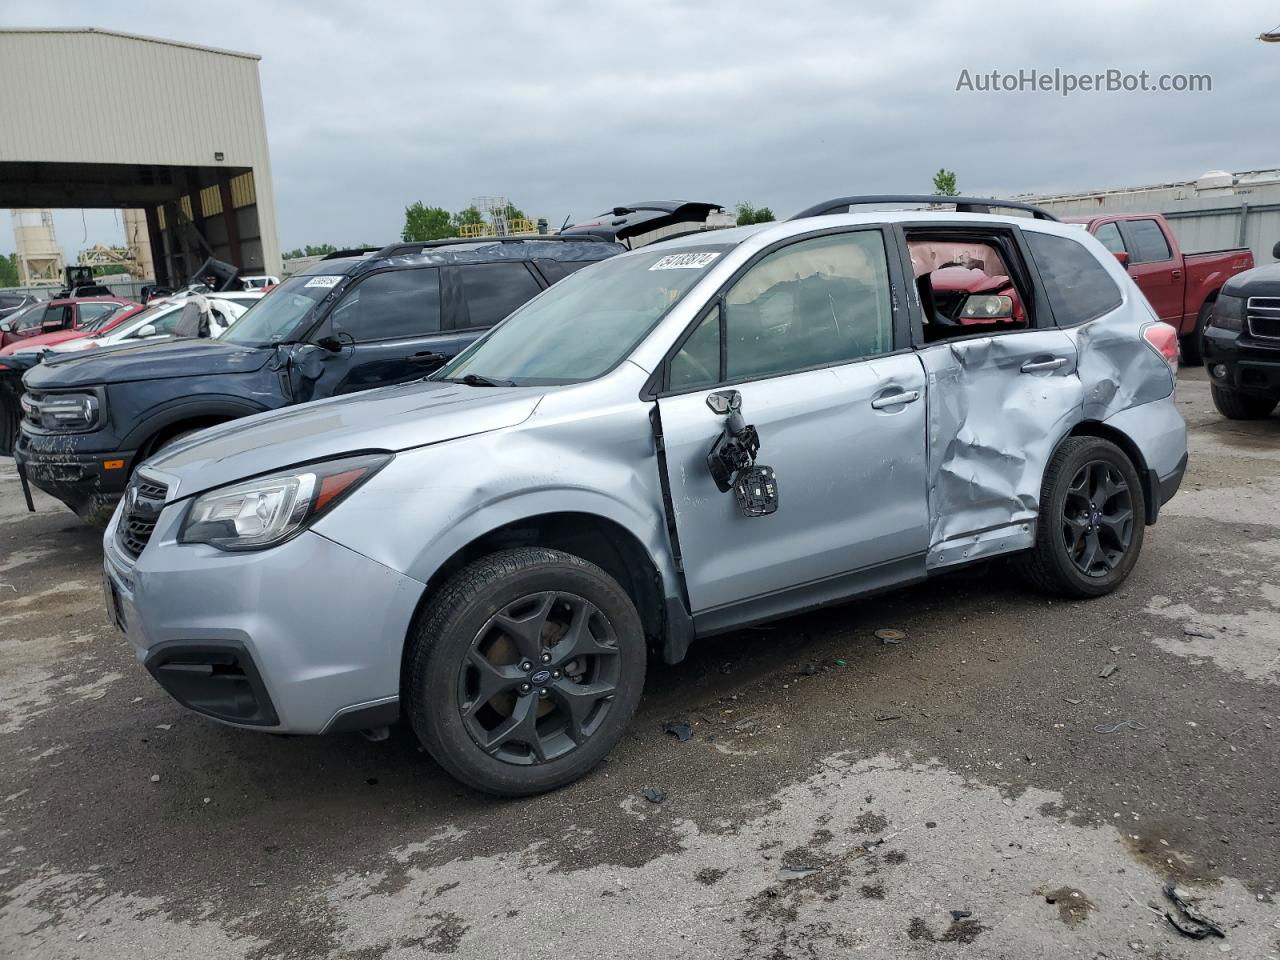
(524, 670)
(1242, 406)
(1091, 521)
(1192, 344)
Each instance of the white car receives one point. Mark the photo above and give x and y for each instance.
(259, 283)
(159, 320)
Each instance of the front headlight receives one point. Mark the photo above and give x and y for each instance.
(1227, 313)
(61, 411)
(987, 306)
(269, 510)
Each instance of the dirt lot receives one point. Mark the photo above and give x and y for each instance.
(838, 795)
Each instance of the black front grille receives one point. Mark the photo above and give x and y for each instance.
(143, 499)
(1264, 317)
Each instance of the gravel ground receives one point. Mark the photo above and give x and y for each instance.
(839, 795)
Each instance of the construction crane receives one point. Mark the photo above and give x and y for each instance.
(101, 255)
(498, 221)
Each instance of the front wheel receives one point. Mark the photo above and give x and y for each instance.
(1241, 406)
(524, 670)
(1091, 522)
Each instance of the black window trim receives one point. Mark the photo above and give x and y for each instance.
(658, 388)
(1126, 231)
(325, 321)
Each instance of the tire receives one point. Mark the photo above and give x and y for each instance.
(1192, 344)
(1074, 532)
(1242, 406)
(472, 651)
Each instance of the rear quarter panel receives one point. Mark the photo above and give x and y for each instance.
(1206, 273)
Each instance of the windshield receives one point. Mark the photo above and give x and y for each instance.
(101, 320)
(274, 317)
(584, 325)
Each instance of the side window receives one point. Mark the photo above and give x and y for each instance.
(557, 270)
(1109, 234)
(493, 290)
(815, 302)
(54, 318)
(965, 284)
(1078, 286)
(1149, 243)
(385, 306)
(34, 318)
(697, 363)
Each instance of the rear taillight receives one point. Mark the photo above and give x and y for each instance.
(1163, 339)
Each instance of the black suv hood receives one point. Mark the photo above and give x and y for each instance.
(1258, 282)
(147, 361)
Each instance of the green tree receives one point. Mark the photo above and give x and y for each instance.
(9, 270)
(467, 217)
(944, 183)
(423, 223)
(747, 214)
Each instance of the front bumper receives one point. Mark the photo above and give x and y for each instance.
(91, 484)
(1247, 365)
(306, 637)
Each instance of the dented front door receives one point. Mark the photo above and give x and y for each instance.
(998, 406)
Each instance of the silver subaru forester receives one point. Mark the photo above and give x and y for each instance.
(708, 432)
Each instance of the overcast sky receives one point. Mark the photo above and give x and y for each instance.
(569, 108)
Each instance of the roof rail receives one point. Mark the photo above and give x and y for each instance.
(396, 249)
(962, 204)
(353, 252)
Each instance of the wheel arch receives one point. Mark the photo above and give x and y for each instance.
(1150, 483)
(162, 424)
(595, 538)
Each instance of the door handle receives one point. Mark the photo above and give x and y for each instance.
(427, 357)
(1036, 366)
(895, 399)
(1176, 274)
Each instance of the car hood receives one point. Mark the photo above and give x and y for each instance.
(147, 361)
(1258, 282)
(391, 418)
(41, 341)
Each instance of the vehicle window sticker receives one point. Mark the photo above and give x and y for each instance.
(684, 261)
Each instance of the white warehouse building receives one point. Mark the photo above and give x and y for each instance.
(189, 150)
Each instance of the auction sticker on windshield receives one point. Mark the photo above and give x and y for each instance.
(684, 261)
(323, 282)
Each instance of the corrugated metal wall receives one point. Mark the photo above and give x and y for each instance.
(185, 105)
(1244, 215)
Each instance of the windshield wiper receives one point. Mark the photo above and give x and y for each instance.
(475, 380)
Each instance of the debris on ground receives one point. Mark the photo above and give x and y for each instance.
(890, 636)
(155, 778)
(842, 663)
(1192, 923)
(655, 794)
(796, 871)
(164, 726)
(726, 667)
(1074, 703)
(1108, 670)
(960, 915)
(1113, 727)
(680, 729)
(808, 669)
(1191, 630)
(882, 717)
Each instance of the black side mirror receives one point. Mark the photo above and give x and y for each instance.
(1275, 251)
(330, 343)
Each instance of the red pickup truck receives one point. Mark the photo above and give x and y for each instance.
(1180, 286)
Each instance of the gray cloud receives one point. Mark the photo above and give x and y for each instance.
(569, 108)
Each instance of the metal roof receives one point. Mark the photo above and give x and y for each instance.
(132, 36)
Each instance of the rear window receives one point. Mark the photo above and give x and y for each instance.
(1078, 286)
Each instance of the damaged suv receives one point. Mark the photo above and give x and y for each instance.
(708, 432)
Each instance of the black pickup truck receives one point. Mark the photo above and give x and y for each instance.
(1241, 344)
(349, 323)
